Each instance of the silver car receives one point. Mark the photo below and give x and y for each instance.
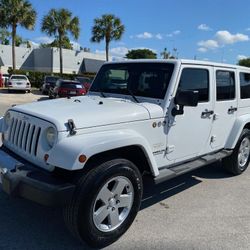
(19, 82)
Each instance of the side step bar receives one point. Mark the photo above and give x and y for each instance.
(171, 172)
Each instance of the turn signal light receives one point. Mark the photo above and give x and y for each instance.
(82, 158)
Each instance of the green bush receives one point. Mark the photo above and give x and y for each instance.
(36, 78)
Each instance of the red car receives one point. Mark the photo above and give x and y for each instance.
(85, 81)
(66, 88)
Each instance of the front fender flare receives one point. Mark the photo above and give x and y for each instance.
(65, 154)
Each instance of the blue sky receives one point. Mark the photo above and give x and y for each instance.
(216, 30)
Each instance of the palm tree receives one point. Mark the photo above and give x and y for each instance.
(4, 36)
(59, 23)
(107, 27)
(14, 13)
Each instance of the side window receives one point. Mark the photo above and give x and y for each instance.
(195, 79)
(244, 85)
(225, 85)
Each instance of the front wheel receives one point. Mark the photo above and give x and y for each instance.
(105, 202)
(238, 162)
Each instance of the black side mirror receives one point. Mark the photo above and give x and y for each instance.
(185, 98)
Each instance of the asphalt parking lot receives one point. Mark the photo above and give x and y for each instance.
(204, 209)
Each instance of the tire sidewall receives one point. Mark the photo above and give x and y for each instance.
(92, 187)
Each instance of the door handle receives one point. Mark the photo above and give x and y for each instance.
(231, 110)
(207, 113)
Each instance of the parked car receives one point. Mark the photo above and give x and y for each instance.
(89, 153)
(85, 81)
(49, 82)
(19, 82)
(5, 78)
(65, 88)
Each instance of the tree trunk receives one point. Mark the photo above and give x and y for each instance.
(61, 55)
(107, 51)
(13, 34)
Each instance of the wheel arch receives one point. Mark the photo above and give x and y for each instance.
(241, 123)
(133, 153)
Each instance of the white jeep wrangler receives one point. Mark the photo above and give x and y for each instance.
(88, 154)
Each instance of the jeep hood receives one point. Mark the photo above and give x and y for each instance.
(89, 111)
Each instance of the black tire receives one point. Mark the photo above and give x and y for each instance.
(78, 214)
(231, 163)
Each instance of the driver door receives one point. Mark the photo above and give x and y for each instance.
(188, 133)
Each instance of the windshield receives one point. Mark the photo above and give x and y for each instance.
(70, 85)
(18, 77)
(51, 79)
(140, 79)
(83, 79)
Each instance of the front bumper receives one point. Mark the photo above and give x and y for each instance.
(20, 178)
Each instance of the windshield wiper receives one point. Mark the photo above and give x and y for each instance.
(102, 94)
(132, 94)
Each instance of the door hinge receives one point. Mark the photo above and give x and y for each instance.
(213, 138)
(170, 149)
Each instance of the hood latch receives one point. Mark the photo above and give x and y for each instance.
(72, 127)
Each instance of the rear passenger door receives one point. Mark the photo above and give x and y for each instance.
(225, 108)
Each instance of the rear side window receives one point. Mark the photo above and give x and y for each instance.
(225, 85)
(244, 85)
(195, 79)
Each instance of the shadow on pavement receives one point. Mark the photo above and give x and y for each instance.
(26, 225)
(156, 193)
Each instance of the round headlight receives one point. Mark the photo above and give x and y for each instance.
(51, 136)
(7, 119)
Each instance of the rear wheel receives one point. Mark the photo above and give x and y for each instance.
(238, 162)
(105, 203)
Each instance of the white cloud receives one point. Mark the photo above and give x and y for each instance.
(208, 44)
(34, 44)
(225, 37)
(204, 27)
(176, 32)
(240, 57)
(145, 35)
(247, 29)
(201, 49)
(119, 51)
(44, 39)
(159, 36)
(221, 38)
(75, 45)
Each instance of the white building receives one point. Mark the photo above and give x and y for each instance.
(47, 60)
